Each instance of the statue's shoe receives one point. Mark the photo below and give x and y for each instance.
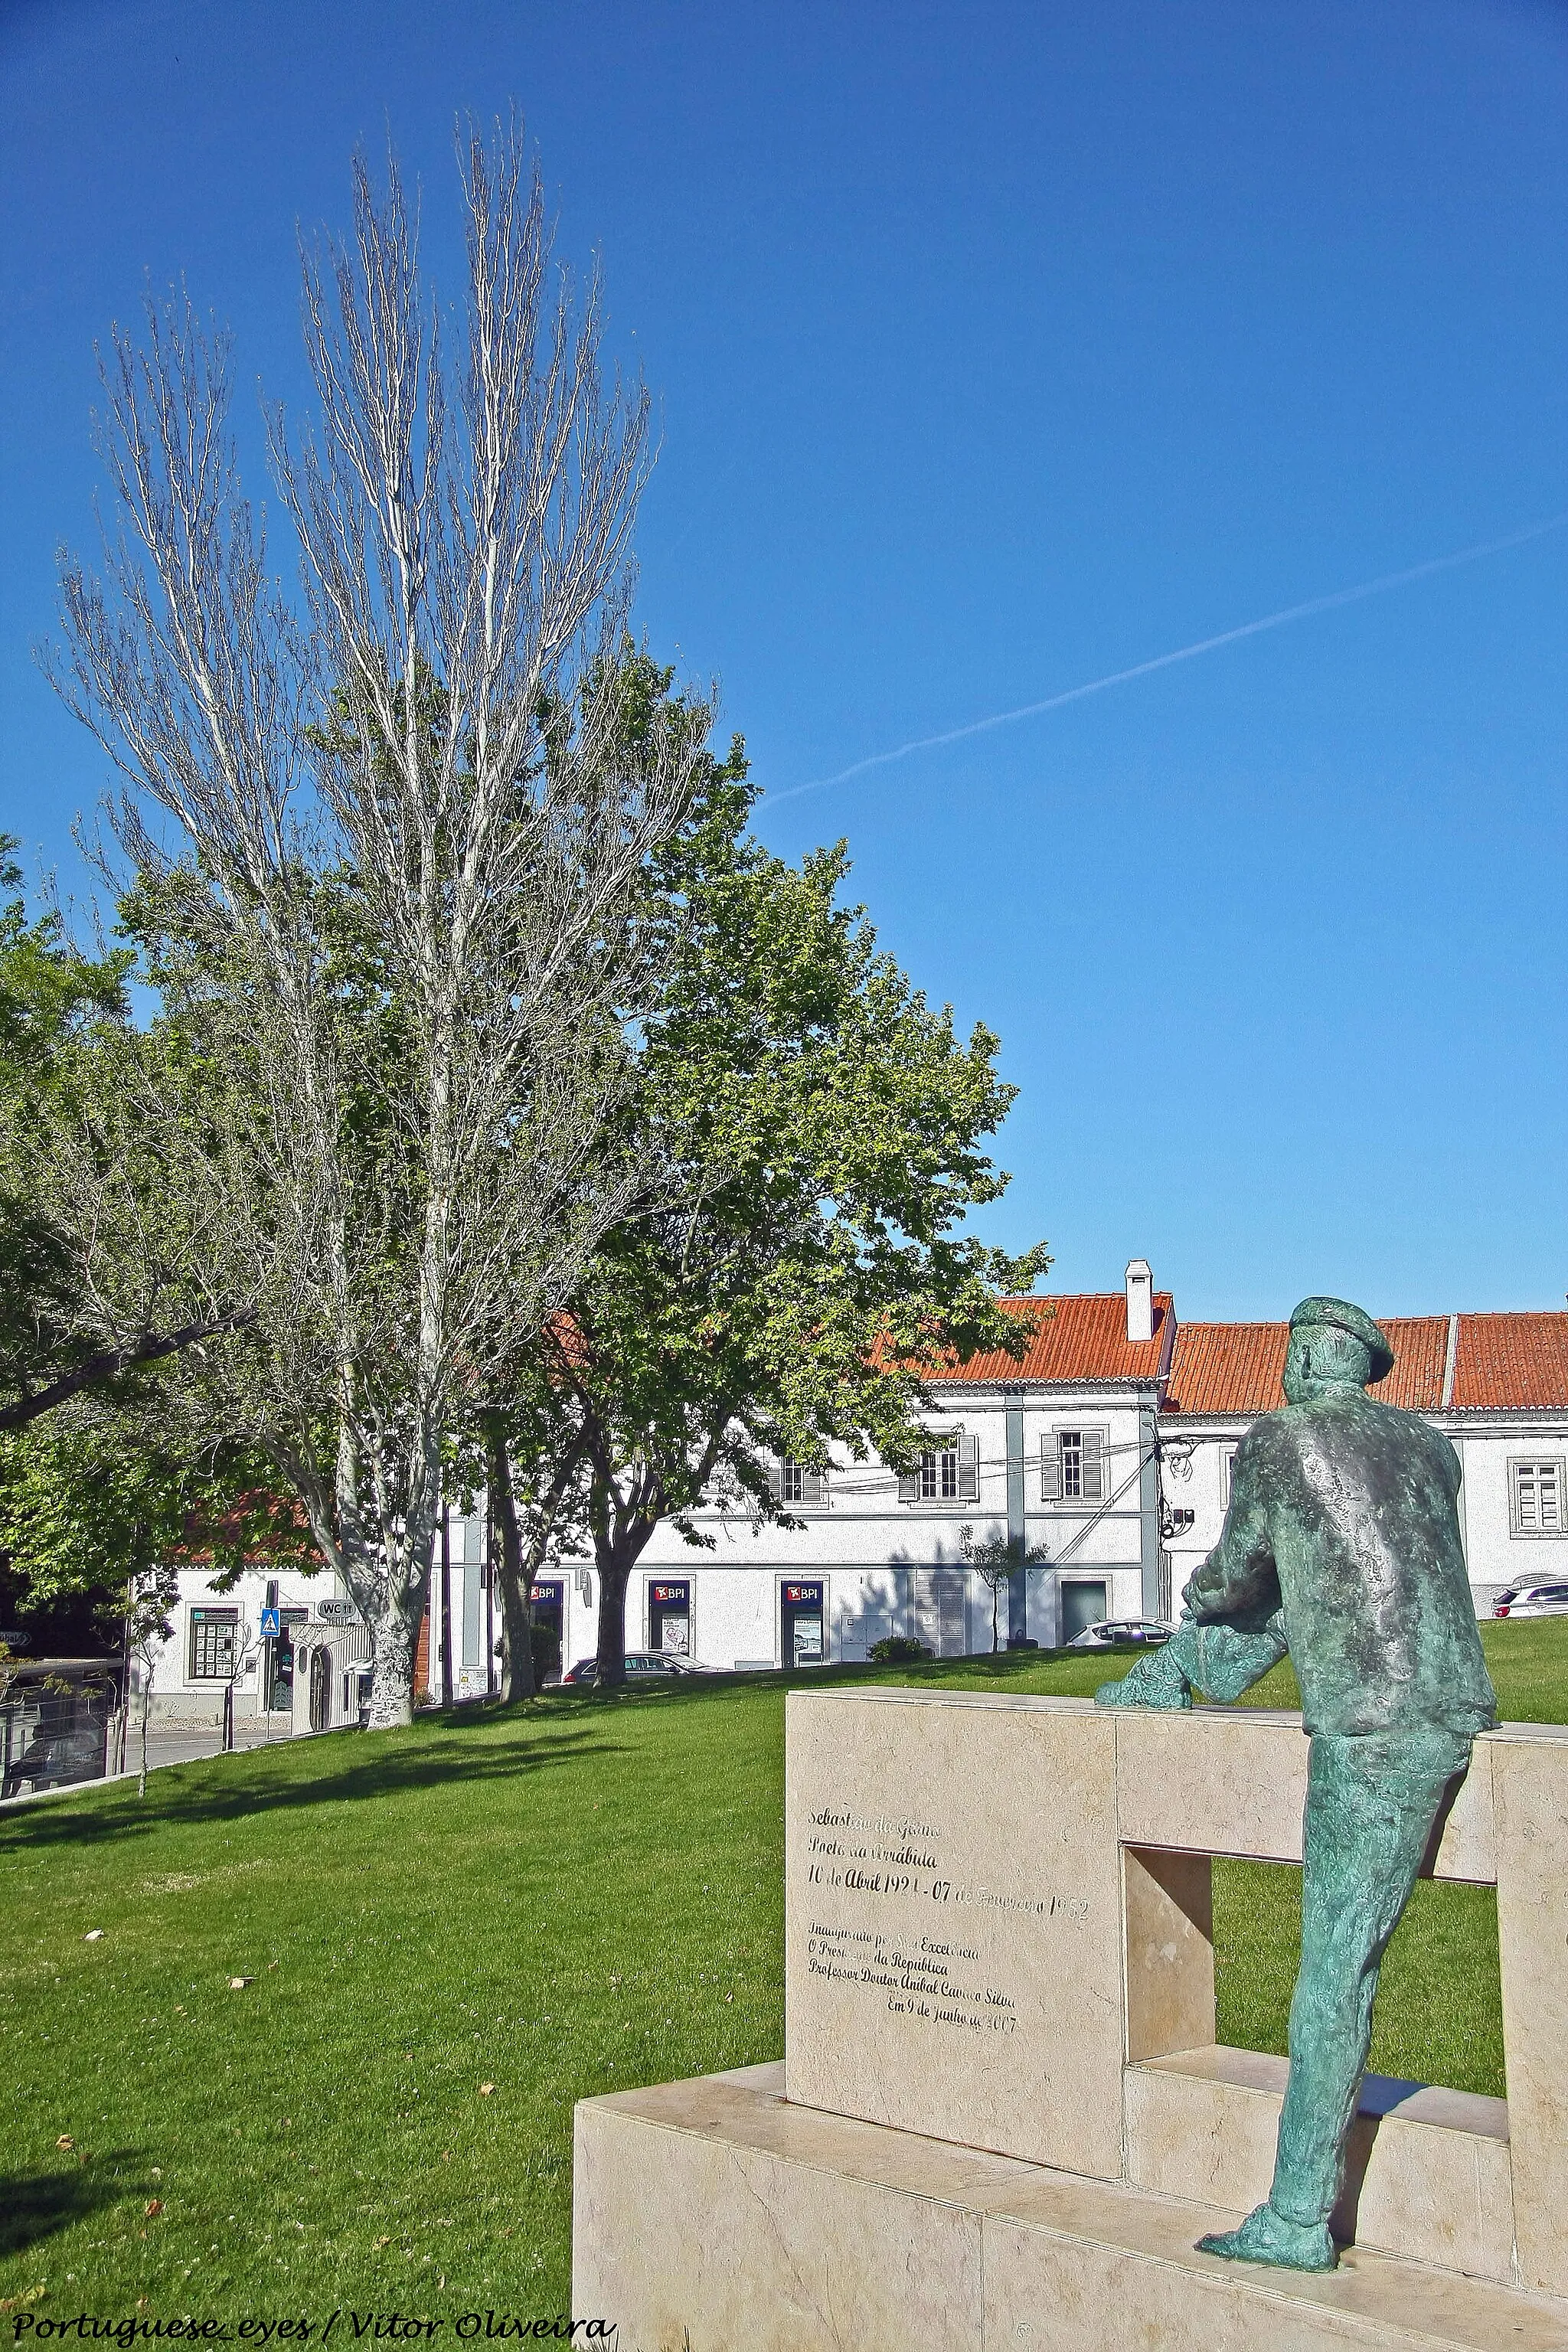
(1155, 1681)
(1266, 2236)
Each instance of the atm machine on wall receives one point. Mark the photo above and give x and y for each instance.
(547, 1608)
(801, 1622)
(670, 1616)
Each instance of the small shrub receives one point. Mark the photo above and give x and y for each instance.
(899, 1650)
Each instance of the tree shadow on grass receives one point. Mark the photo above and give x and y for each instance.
(33, 2205)
(222, 1789)
(347, 1767)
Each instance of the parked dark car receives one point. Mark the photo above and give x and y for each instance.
(641, 1664)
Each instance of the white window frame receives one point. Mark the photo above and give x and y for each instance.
(948, 1474)
(1227, 1455)
(1527, 1469)
(1093, 1448)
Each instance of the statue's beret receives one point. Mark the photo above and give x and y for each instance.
(1338, 1315)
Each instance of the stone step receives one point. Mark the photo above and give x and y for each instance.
(716, 2216)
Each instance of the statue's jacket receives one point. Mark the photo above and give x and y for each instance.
(1341, 1543)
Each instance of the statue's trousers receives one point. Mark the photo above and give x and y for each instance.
(1371, 1799)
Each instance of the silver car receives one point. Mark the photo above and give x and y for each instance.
(1122, 1629)
(1532, 1600)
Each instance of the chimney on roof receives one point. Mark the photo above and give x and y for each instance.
(1140, 1302)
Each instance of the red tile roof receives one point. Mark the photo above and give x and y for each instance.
(1236, 1368)
(1078, 1339)
(1228, 1367)
(1420, 1345)
(1518, 1360)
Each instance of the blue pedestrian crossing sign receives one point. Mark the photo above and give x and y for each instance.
(271, 1624)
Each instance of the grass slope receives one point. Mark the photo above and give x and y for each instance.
(574, 1900)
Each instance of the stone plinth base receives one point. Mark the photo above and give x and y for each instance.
(715, 2216)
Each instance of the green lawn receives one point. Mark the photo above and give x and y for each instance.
(574, 1900)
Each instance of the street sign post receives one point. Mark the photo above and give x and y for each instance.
(271, 1624)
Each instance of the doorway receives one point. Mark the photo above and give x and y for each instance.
(547, 1611)
(278, 1661)
(1083, 1604)
(321, 1689)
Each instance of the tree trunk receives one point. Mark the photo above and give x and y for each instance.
(616, 1552)
(395, 1635)
(517, 1617)
(614, 1577)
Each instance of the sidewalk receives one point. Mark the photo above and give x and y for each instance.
(172, 1743)
(185, 1743)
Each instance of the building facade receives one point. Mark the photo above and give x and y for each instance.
(1102, 1457)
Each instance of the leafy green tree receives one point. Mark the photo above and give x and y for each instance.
(93, 1285)
(995, 1559)
(109, 1502)
(88, 1500)
(807, 1273)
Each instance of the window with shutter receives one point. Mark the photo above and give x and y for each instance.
(794, 1482)
(949, 1474)
(939, 1475)
(1072, 1466)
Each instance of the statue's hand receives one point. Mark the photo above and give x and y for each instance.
(1156, 1680)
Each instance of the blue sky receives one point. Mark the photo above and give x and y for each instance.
(1000, 348)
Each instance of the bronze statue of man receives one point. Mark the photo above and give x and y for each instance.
(1340, 1548)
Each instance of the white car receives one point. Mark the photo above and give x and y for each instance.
(1122, 1629)
(1532, 1600)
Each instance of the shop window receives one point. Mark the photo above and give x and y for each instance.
(215, 1634)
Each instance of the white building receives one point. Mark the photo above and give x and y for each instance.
(1496, 1385)
(1103, 1454)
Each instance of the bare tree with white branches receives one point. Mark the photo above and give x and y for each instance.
(392, 743)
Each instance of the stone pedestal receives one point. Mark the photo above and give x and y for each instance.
(1003, 2118)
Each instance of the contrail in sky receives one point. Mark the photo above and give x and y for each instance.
(1182, 653)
